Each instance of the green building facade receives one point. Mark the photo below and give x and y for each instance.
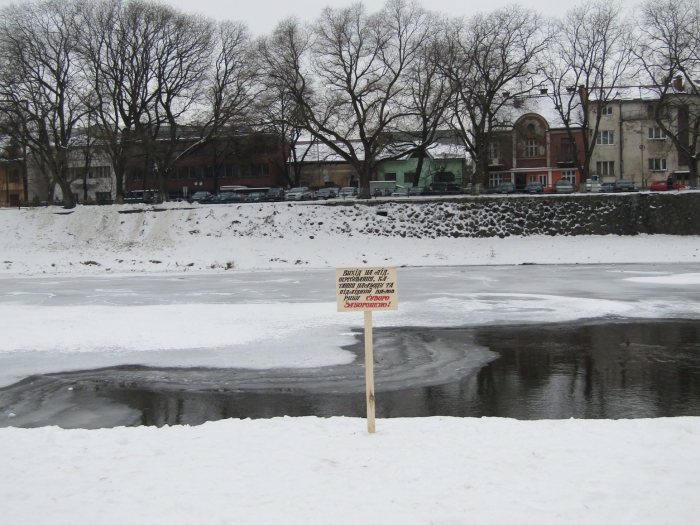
(438, 168)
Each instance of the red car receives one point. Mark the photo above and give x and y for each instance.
(661, 186)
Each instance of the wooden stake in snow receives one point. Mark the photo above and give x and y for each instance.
(367, 289)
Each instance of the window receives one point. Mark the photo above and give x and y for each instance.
(409, 178)
(390, 177)
(607, 110)
(495, 152)
(136, 174)
(230, 171)
(543, 180)
(656, 133)
(495, 179)
(208, 172)
(651, 111)
(532, 148)
(606, 167)
(657, 164)
(605, 138)
(266, 170)
(14, 177)
(569, 175)
(255, 170)
(244, 170)
(102, 196)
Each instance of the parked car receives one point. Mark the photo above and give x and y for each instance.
(274, 194)
(348, 192)
(229, 197)
(563, 186)
(256, 196)
(607, 187)
(504, 188)
(593, 184)
(400, 192)
(298, 194)
(446, 188)
(533, 188)
(662, 186)
(417, 191)
(203, 197)
(326, 193)
(624, 185)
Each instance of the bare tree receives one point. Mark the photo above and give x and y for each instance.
(490, 59)
(669, 53)
(347, 74)
(41, 83)
(117, 47)
(588, 60)
(429, 95)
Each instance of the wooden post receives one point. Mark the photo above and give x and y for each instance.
(369, 371)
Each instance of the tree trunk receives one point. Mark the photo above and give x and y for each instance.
(365, 177)
(419, 167)
(68, 200)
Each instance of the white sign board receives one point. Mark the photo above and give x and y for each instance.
(366, 289)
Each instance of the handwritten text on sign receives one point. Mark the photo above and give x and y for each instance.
(366, 289)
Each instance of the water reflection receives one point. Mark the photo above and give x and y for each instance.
(611, 369)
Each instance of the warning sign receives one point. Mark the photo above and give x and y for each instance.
(366, 289)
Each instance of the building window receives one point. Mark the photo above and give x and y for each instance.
(605, 138)
(409, 178)
(607, 110)
(390, 177)
(651, 111)
(657, 164)
(137, 174)
(230, 171)
(14, 177)
(532, 148)
(102, 196)
(606, 167)
(569, 175)
(495, 152)
(543, 180)
(657, 133)
(495, 179)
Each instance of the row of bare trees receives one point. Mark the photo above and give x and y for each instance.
(370, 86)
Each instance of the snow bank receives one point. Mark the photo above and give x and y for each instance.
(100, 240)
(309, 470)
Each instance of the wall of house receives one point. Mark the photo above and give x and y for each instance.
(632, 146)
(322, 174)
(432, 169)
(11, 183)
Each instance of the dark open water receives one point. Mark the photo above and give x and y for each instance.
(602, 369)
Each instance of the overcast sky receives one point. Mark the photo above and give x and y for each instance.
(262, 15)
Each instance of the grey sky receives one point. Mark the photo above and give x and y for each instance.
(262, 15)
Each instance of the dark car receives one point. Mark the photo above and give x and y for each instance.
(533, 188)
(229, 197)
(274, 195)
(256, 196)
(400, 191)
(446, 188)
(607, 187)
(326, 193)
(624, 185)
(349, 192)
(203, 197)
(417, 191)
(503, 187)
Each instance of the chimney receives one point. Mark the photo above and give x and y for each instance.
(678, 83)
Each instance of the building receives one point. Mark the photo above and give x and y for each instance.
(630, 144)
(536, 148)
(319, 166)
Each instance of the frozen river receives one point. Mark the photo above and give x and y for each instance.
(188, 348)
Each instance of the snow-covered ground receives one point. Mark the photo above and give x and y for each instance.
(242, 306)
(320, 471)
